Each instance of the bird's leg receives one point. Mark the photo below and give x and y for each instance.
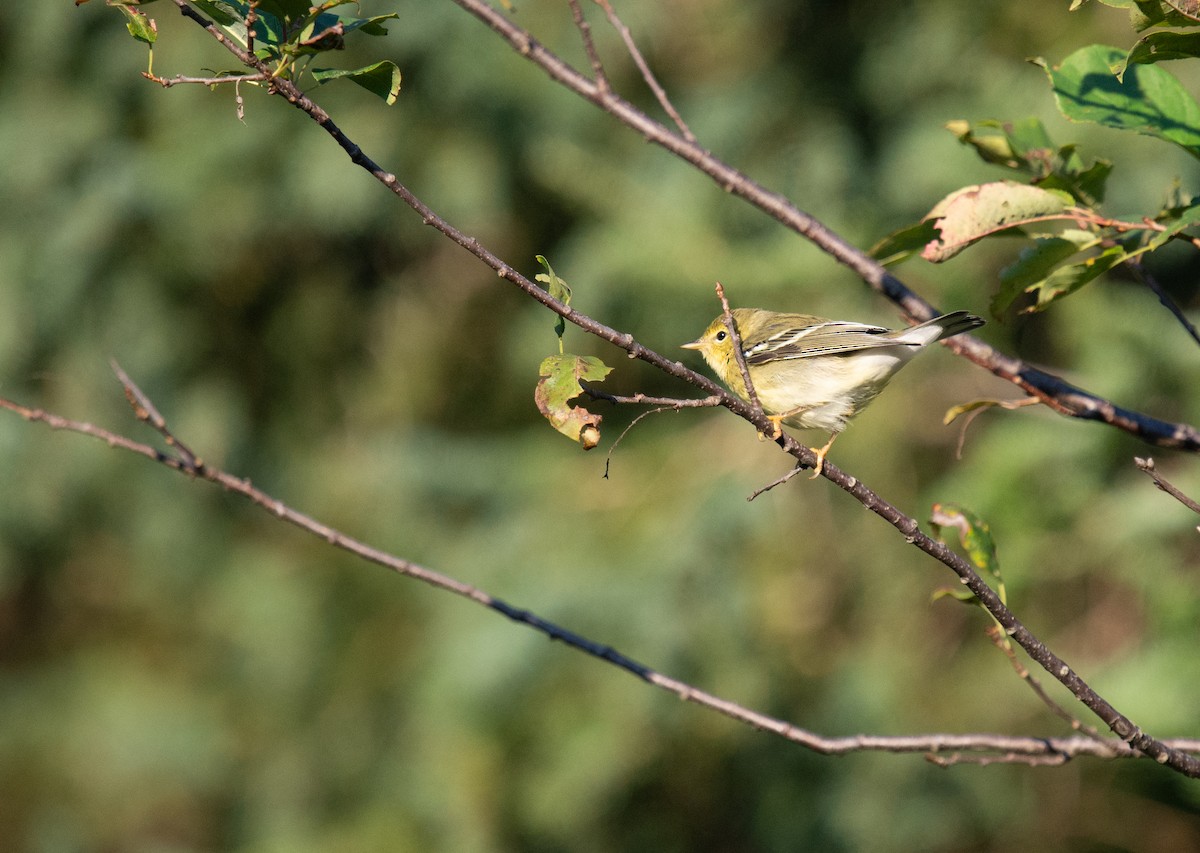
(821, 455)
(777, 423)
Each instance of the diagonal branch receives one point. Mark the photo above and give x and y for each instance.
(1064, 398)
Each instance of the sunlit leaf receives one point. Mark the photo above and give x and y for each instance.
(1160, 47)
(972, 213)
(140, 27)
(558, 385)
(1146, 100)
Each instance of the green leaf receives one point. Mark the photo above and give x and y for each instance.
(958, 594)
(558, 385)
(382, 78)
(1027, 136)
(991, 147)
(956, 412)
(140, 27)
(1146, 100)
(903, 244)
(1144, 14)
(371, 26)
(223, 13)
(974, 534)
(294, 27)
(1025, 146)
(1160, 47)
(1035, 262)
(326, 31)
(286, 10)
(972, 213)
(322, 32)
(559, 290)
(1087, 186)
(270, 32)
(1066, 280)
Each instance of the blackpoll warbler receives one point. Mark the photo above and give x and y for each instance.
(813, 373)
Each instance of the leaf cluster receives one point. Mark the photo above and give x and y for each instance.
(288, 34)
(1054, 199)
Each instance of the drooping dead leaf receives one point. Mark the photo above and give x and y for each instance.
(558, 385)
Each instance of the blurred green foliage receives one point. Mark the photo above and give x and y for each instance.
(179, 671)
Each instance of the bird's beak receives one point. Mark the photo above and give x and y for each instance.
(693, 345)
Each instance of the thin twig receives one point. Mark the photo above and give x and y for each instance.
(660, 94)
(779, 481)
(1001, 642)
(977, 408)
(1164, 298)
(646, 399)
(589, 46)
(251, 20)
(739, 352)
(179, 79)
(739, 355)
(613, 449)
(145, 411)
(1147, 465)
(1006, 748)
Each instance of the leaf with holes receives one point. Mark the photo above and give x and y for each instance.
(558, 385)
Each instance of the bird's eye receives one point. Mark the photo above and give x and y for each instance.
(721, 335)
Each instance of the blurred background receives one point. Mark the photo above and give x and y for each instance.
(180, 671)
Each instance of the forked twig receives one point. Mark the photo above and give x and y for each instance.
(660, 94)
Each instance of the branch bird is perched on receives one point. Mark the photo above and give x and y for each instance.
(813, 373)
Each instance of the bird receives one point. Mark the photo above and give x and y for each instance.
(813, 373)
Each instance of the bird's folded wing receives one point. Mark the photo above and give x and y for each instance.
(831, 338)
